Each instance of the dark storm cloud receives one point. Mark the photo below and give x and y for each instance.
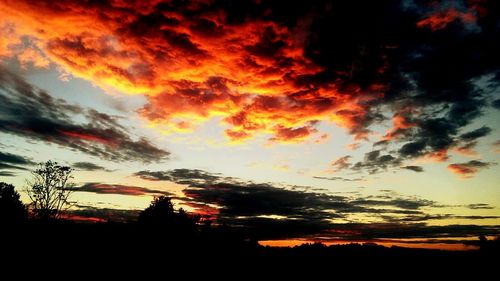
(96, 214)
(412, 230)
(429, 70)
(32, 113)
(9, 161)
(268, 211)
(178, 175)
(14, 159)
(417, 169)
(374, 162)
(6, 174)
(496, 104)
(478, 133)
(88, 166)
(253, 200)
(102, 188)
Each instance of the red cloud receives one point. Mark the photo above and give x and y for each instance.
(253, 75)
(283, 134)
(88, 137)
(205, 210)
(468, 169)
(441, 19)
(83, 218)
(400, 125)
(438, 156)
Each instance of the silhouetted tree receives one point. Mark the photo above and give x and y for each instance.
(11, 207)
(49, 190)
(187, 221)
(160, 211)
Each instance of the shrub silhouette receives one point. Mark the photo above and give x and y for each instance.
(11, 208)
(161, 213)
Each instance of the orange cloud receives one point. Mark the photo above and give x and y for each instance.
(441, 19)
(208, 212)
(468, 169)
(438, 156)
(284, 134)
(252, 74)
(400, 125)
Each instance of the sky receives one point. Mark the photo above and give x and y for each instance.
(310, 120)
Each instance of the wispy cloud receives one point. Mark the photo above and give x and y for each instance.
(102, 188)
(469, 169)
(88, 166)
(32, 113)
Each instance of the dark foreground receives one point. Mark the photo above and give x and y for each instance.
(122, 248)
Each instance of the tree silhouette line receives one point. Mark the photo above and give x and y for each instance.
(49, 190)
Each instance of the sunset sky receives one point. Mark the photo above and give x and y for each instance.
(330, 120)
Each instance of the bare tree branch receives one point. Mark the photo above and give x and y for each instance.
(49, 190)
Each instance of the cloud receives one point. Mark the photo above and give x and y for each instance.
(407, 204)
(496, 104)
(466, 142)
(341, 163)
(374, 162)
(178, 175)
(88, 166)
(32, 113)
(480, 206)
(441, 19)
(277, 70)
(9, 161)
(478, 133)
(284, 134)
(417, 169)
(338, 178)
(469, 169)
(412, 230)
(96, 214)
(6, 174)
(269, 211)
(102, 188)
(14, 159)
(5, 166)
